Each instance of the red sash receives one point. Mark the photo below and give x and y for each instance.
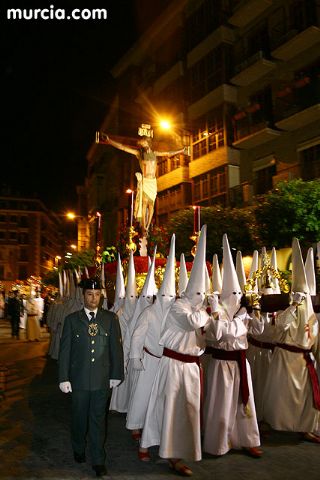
(152, 354)
(311, 370)
(240, 357)
(257, 343)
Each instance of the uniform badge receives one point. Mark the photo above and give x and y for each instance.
(93, 329)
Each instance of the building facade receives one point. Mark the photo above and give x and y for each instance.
(30, 238)
(240, 80)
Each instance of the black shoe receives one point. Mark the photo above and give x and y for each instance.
(79, 457)
(100, 470)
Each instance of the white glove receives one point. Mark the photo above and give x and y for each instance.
(114, 383)
(298, 297)
(65, 387)
(137, 364)
(213, 301)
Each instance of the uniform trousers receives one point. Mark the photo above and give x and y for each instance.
(89, 415)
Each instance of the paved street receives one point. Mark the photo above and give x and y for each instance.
(34, 433)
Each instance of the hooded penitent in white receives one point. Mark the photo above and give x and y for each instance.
(240, 271)
(310, 272)
(231, 293)
(216, 275)
(183, 275)
(145, 299)
(305, 313)
(167, 291)
(120, 290)
(131, 289)
(196, 288)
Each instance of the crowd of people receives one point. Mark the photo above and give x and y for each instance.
(26, 313)
(195, 369)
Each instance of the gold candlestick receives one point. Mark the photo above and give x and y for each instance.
(131, 245)
(195, 238)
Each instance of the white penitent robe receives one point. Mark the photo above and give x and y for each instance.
(120, 395)
(146, 336)
(227, 423)
(259, 358)
(173, 415)
(288, 401)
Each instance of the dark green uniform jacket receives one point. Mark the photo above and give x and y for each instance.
(89, 362)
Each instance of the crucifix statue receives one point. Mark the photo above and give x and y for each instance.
(147, 183)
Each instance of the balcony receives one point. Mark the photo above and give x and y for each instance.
(294, 42)
(252, 69)
(173, 178)
(253, 127)
(247, 11)
(221, 94)
(214, 159)
(298, 104)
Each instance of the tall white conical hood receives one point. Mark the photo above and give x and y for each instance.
(310, 272)
(150, 287)
(131, 288)
(103, 289)
(86, 272)
(120, 291)
(216, 275)
(299, 278)
(240, 271)
(274, 264)
(230, 282)
(305, 313)
(168, 285)
(254, 267)
(197, 280)
(149, 262)
(183, 275)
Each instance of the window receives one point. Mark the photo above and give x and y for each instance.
(2, 272)
(210, 134)
(310, 162)
(162, 167)
(23, 257)
(3, 218)
(24, 238)
(2, 235)
(13, 235)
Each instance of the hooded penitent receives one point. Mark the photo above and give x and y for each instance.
(216, 275)
(197, 285)
(183, 275)
(167, 291)
(120, 290)
(240, 271)
(231, 294)
(131, 288)
(302, 326)
(310, 272)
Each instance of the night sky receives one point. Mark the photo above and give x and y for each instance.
(56, 90)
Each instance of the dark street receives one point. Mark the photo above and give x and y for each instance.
(34, 438)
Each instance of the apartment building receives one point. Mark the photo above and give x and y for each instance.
(30, 238)
(240, 80)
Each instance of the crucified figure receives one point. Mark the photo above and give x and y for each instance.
(147, 182)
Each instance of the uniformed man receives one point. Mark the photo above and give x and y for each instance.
(90, 364)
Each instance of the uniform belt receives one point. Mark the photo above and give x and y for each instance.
(311, 370)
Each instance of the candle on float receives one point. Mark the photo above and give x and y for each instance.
(195, 218)
(130, 206)
(98, 215)
(199, 223)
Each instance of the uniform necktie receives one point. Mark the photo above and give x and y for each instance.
(93, 327)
